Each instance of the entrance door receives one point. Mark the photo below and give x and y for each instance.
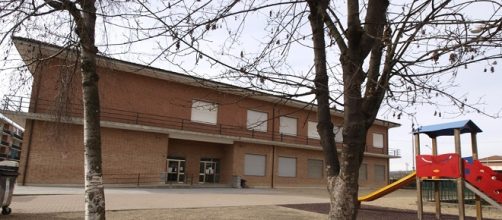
(175, 170)
(209, 171)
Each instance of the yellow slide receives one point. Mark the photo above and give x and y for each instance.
(389, 188)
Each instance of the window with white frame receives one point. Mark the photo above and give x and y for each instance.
(287, 167)
(257, 120)
(288, 125)
(204, 112)
(254, 165)
(314, 168)
(377, 140)
(338, 131)
(312, 130)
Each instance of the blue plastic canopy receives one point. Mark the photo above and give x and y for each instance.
(447, 129)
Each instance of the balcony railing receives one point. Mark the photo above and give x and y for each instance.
(23, 104)
(394, 152)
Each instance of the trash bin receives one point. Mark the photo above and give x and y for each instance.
(243, 183)
(236, 182)
(7, 181)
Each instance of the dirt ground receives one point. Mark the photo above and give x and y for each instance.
(404, 199)
(376, 213)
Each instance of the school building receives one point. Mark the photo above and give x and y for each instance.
(162, 127)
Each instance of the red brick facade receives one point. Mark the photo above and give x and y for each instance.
(146, 119)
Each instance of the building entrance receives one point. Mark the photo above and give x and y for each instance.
(175, 170)
(209, 170)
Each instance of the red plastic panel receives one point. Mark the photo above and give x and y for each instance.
(444, 165)
(485, 179)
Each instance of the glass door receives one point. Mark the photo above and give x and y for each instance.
(175, 170)
(209, 171)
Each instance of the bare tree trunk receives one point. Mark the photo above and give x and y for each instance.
(324, 124)
(85, 21)
(342, 179)
(94, 191)
(344, 188)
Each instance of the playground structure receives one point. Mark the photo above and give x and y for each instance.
(467, 173)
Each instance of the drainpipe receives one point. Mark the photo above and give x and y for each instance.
(273, 123)
(273, 167)
(273, 149)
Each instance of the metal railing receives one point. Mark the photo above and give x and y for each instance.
(133, 178)
(448, 191)
(23, 104)
(394, 152)
(139, 179)
(15, 103)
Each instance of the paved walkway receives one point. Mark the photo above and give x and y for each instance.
(61, 199)
(70, 199)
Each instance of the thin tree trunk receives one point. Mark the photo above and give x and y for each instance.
(324, 124)
(85, 21)
(94, 191)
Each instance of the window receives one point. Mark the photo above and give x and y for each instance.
(287, 125)
(314, 168)
(377, 140)
(287, 167)
(204, 112)
(363, 172)
(254, 165)
(257, 121)
(312, 130)
(379, 173)
(338, 134)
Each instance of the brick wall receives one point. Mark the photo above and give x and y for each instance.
(59, 158)
(371, 176)
(240, 150)
(302, 156)
(136, 93)
(302, 178)
(57, 154)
